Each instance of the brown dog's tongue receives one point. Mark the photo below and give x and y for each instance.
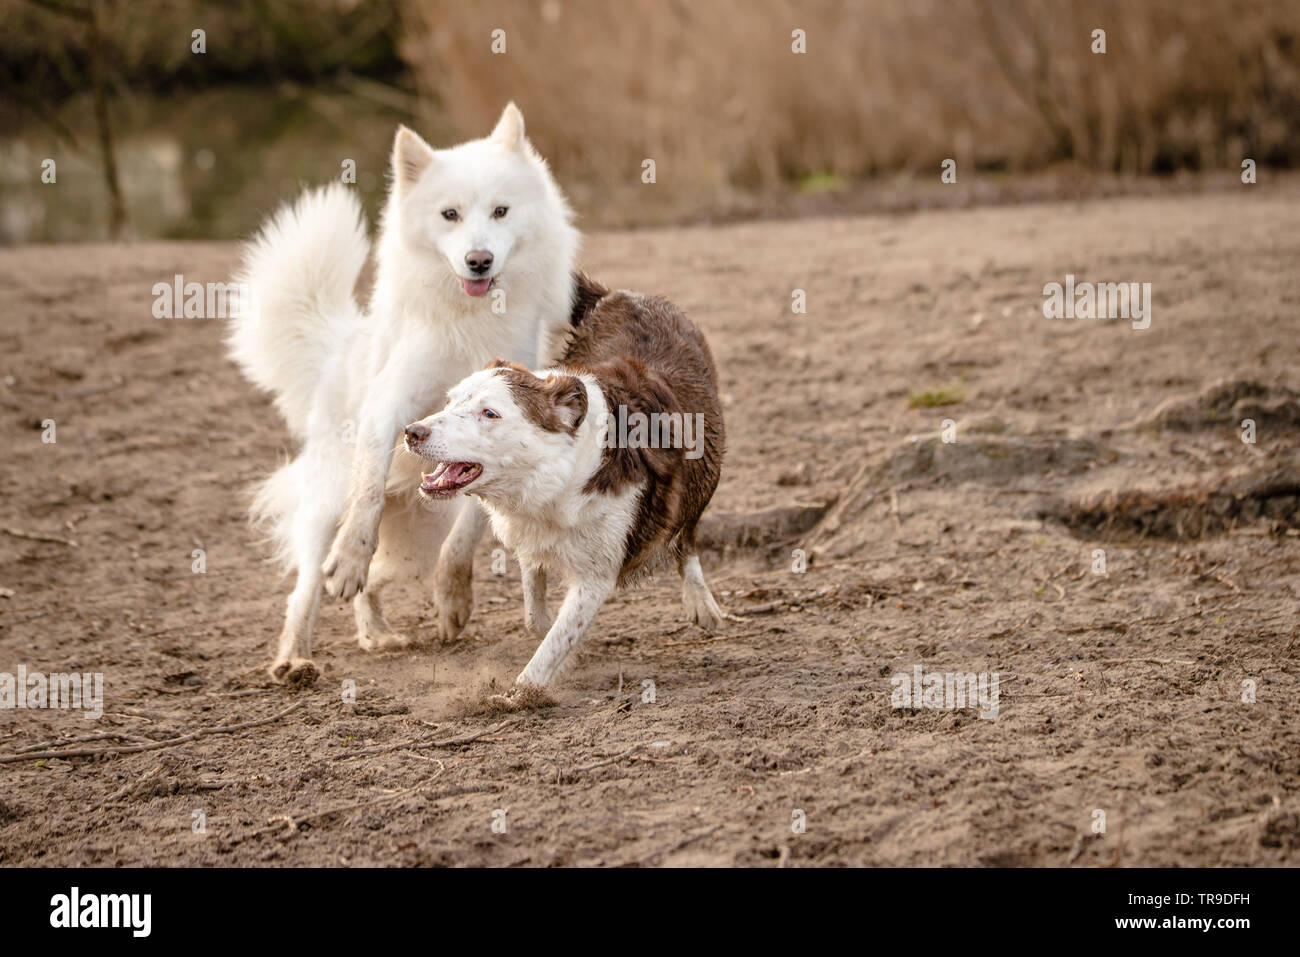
(434, 478)
(446, 475)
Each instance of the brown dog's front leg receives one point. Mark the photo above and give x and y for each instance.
(581, 603)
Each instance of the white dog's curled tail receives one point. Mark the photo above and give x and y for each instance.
(297, 310)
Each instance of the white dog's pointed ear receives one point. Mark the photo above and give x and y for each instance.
(411, 156)
(509, 131)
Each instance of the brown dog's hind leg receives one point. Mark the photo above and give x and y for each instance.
(701, 608)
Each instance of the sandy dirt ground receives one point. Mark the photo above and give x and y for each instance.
(1161, 698)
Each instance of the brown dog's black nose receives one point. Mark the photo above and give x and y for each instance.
(416, 433)
(479, 261)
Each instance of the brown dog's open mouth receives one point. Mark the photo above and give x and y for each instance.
(448, 478)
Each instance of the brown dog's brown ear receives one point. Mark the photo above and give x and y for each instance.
(569, 399)
(499, 363)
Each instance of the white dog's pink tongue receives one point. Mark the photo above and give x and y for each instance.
(475, 287)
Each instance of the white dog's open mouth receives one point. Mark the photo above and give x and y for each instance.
(477, 287)
(448, 478)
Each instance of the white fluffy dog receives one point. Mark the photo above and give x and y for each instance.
(474, 260)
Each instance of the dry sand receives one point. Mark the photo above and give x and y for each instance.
(1120, 693)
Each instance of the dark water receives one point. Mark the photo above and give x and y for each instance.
(209, 165)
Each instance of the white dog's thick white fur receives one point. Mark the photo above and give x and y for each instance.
(347, 380)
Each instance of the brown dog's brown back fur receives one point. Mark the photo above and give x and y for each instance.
(646, 355)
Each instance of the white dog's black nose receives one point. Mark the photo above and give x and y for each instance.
(416, 433)
(479, 261)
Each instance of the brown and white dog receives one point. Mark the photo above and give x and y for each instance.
(567, 486)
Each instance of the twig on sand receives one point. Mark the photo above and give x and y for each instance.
(686, 841)
(38, 537)
(1124, 626)
(131, 786)
(1060, 592)
(1144, 660)
(148, 715)
(290, 824)
(154, 746)
(612, 759)
(1229, 582)
(1077, 850)
(796, 600)
(561, 774)
(707, 641)
(421, 744)
(104, 736)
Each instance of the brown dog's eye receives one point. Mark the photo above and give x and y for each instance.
(500, 212)
(450, 215)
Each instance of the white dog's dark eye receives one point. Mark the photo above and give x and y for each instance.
(492, 413)
(450, 215)
(500, 212)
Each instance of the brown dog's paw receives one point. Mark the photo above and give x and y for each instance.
(701, 608)
(518, 698)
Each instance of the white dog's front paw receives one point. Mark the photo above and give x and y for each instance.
(296, 672)
(383, 641)
(346, 567)
(538, 623)
(453, 589)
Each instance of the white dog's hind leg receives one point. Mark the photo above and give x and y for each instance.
(303, 501)
(293, 663)
(374, 633)
(312, 529)
(581, 603)
(410, 532)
